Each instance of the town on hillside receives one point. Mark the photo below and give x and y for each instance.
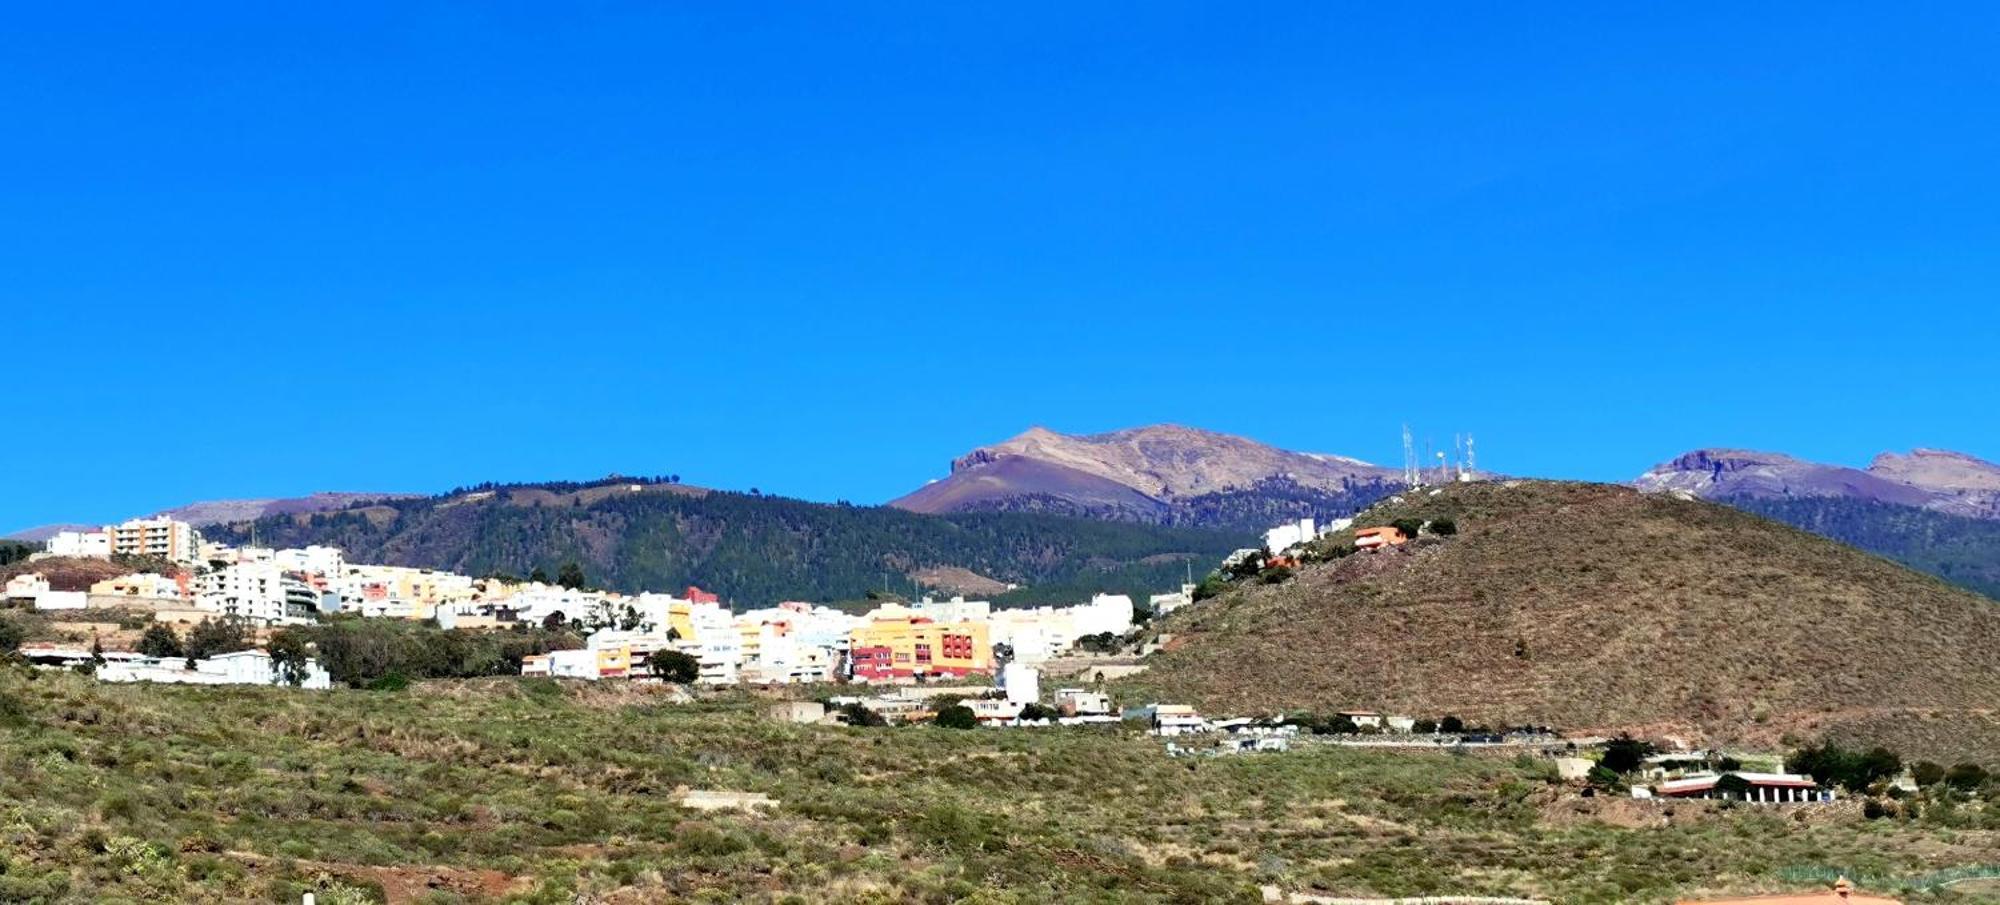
(945, 662)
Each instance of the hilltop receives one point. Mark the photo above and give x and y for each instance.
(1162, 474)
(633, 535)
(1596, 608)
(215, 512)
(1933, 510)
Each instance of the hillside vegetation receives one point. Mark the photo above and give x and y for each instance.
(1592, 607)
(532, 791)
(748, 548)
(1964, 551)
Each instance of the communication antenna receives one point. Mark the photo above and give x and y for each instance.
(1410, 475)
(1471, 460)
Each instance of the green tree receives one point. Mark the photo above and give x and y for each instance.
(673, 666)
(217, 636)
(1927, 773)
(1409, 526)
(289, 657)
(1425, 726)
(1444, 527)
(1451, 724)
(856, 715)
(571, 576)
(956, 716)
(1624, 754)
(538, 576)
(1733, 786)
(11, 635)
(160, 641)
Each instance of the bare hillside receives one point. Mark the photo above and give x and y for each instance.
(1593, 607)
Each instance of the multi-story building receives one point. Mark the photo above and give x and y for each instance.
(897, 643)
(79, 544)
(161, 538)
(314, 559)
(259, 592)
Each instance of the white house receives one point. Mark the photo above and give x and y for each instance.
(81, 544)
(27, 586)
(1023, 683)
(244, 667)
(1289, 535)
(1079, 702)
(1177, 719)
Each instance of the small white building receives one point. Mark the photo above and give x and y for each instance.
(244, 667)
(79, 544)
(1023, 683)
(1289, 535)
(1177, 719)
(1081, 702)
(27, 586)
(990, 712)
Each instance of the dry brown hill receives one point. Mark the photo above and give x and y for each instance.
(1594, 607)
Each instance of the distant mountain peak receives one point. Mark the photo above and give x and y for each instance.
(1148, 473)
(1940, 480)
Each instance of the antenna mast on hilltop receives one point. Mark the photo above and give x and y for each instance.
(1471, 460)
(1410, 475)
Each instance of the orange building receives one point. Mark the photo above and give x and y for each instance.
(1377, 538)
(899, 644)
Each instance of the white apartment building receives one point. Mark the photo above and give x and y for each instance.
(165, 538)
(1289, 535)
(259, 592)
(79, 544)
(315, 559)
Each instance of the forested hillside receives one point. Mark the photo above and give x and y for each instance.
(1963, 551)
(748, 548)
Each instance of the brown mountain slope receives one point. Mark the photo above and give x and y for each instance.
(1592, 607)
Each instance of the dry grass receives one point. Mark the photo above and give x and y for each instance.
(1591, 607)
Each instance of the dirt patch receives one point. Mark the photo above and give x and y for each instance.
(409, 883)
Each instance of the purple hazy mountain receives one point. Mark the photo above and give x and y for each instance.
(1937, 480)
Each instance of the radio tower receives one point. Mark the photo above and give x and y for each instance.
(1411, 476)
(1471, 460)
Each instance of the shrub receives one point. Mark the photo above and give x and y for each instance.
(956, 716)
(1425, 726)
(1278, 575)
(1444, 527)
(673, 666)
(1409, 526)
(160, 641)
(1927, 773)
(1966, 776)
(11, 635)
(857, 715)
(1625, 753)
(1451, 724)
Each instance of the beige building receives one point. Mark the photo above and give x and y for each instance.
(164, 538)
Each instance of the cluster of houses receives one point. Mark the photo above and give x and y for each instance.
(930, 640)
(926, 641)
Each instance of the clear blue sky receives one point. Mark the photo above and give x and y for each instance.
(821, 249)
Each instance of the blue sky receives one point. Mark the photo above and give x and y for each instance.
(821, 249)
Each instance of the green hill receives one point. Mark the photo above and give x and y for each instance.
(634, 536)
(1592, 607)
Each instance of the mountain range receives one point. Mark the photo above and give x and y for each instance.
(1933, 510)
(635, 535)
(1162, 474)
(1937, 480)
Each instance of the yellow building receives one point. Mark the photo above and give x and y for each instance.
(898, 644)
